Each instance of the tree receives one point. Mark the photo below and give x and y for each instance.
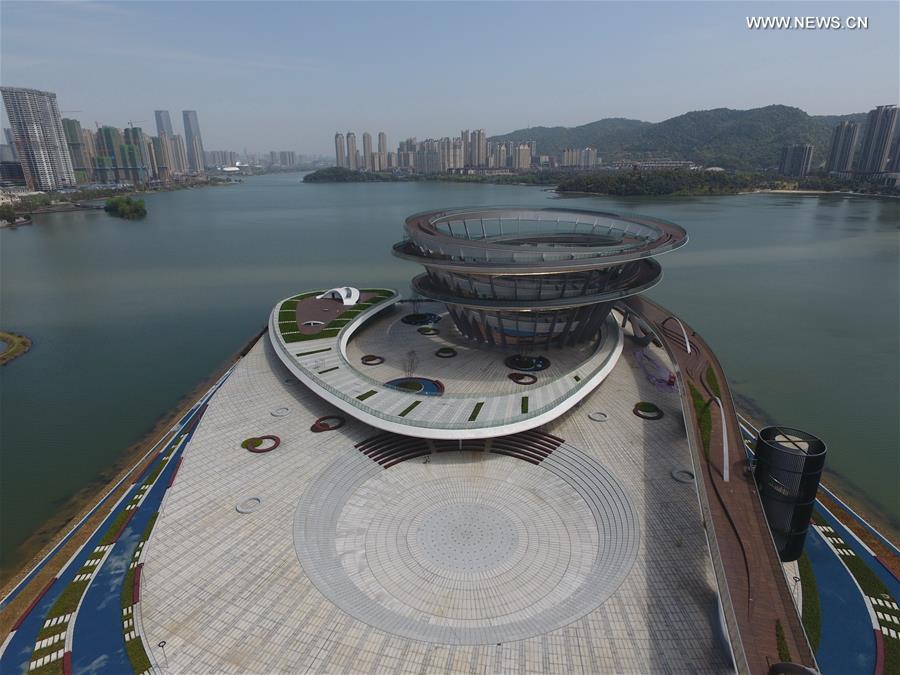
(7, 213)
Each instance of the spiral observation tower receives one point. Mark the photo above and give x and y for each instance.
(515, 276)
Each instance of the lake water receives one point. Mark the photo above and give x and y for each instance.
(798, 295)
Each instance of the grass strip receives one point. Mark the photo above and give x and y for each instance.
(811, 614)
(328, 370)
(783, 652)
(704, 418)
(713, 382)
(68, 599)
(367, 394)
(314, 351)
(524, 404)
(137, 655)
(409, 408)
(874, 587)
(110, 535)
(477, 409)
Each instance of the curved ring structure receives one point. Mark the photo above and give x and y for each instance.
(544, 276)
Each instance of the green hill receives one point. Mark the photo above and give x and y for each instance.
(733, 139)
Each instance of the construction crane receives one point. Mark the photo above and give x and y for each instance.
(131, 122)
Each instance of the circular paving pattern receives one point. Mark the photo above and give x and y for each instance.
(372, 360)
(471, 548)
(445, 353)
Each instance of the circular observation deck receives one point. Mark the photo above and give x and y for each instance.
(513, 276)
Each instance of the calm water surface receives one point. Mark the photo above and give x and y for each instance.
(797, 295)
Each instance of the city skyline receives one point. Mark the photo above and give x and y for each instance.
(234, 71)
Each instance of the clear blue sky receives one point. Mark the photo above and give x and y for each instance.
(281, 75)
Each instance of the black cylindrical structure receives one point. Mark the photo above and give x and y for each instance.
(789, 464)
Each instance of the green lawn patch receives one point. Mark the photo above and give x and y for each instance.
(811, 614)
(704, 418)
(783, 652)
(874, 587)
(127, 594)
(68, 599)
(477, 409)
(713, 382)
(408, 409)
(524, 404)
(328, 370)
(137, 655)
(116, 525)
(250, 443)
(367, 394)
(55, 668)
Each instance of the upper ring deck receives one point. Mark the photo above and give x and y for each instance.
(515, 240)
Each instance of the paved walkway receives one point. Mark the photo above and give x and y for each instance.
(20, 644)
(749, 573)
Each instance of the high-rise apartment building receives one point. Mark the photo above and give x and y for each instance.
(367, 151)
(193, 141)
(137, 166)
(895, 157)
(843, 147)
(110, 163)
(39, 138)
(179, 155)
(873, 154)
(382, 151)
(467, 148)
(478, 148)
(162, 148)
(352, 152)
(340, 153)
(796, 160)
(522, 157)
(81, 159)
(163, 123)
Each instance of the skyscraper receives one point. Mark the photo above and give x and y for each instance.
(478, 147)
(467, 147)
(81, 164)
(179, 155)
(193, 141)
(873, 154)
(110, 163)
(39, 138)
(352, 154)
(843, 146)
(382, 151)
(340, 153)
(367, 151)
(796, 160)
(164, 123)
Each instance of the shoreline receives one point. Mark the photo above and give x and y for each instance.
(134, 459)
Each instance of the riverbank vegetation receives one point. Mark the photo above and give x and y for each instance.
(674, 183)
(125, 207)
